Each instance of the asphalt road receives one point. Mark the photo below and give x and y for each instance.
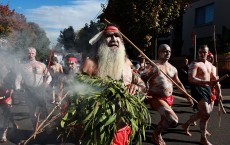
(172, 136)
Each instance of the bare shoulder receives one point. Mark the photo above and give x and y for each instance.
(89, 66)
(194, 64)
(209, 64)
(214, 67)
(88, 62)
(128, 62)
(59, 65)
(41, 64)
(170, 66)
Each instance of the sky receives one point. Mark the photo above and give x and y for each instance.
(56, 15)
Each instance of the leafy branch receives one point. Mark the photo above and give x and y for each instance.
(101, 112)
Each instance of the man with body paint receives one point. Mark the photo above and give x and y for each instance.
(35, 78)
(160, 90)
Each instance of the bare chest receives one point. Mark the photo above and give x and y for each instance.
(204, 69)
(55, 68)
(35, 68)
(166, 70)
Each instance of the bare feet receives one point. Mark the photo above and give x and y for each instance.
(208, 133)
(204, 141)
(3, 139)
(186, 129)
(157, 139)
(15, 125)
(194, 123)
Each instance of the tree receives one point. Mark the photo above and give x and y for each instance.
(39, 40)
(140, 20)
(21, 34)
(79, 41)
(84, 35)
(10, 20)
(58, 48)
(67, 38)
(6, 20)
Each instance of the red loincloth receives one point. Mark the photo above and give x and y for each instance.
(167, 99)
(213, 96)
(121, 137)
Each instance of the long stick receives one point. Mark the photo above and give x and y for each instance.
(194, 47)
(36, 127)
(223, 77)
(49, 62)
(181, 89)
(220, 105)
(40, 126)
(46, 70)
(49, 122)
(214, 39)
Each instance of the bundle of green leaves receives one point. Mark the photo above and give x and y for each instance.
(101, 109)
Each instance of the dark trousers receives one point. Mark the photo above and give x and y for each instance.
(36, 98)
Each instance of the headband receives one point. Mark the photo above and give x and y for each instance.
(111, 29)
(72, 59)
(98, 36)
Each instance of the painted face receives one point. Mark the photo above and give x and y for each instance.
(31, 54)
(71, 65)
(113, 39)
(165, 53)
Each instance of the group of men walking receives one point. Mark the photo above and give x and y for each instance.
(109, 59)
(36, 81)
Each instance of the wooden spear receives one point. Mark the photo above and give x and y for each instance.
(220, 105)
(146, 57)
(217, 66)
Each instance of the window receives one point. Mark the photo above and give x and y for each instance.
(204, 15)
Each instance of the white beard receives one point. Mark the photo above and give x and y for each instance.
(111, 62)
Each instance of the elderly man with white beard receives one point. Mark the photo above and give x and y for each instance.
(110, 60)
